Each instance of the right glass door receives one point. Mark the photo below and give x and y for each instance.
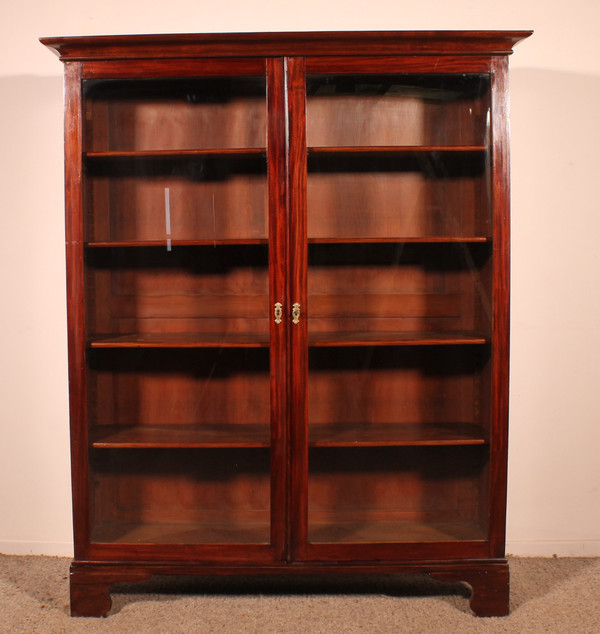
(399, 307)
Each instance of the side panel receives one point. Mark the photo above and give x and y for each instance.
(501, 318)
(75, 307)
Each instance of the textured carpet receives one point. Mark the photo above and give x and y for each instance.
(547, 595)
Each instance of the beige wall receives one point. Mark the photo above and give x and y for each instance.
(554, 488)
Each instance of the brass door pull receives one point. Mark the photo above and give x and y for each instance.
(296, 313)
(278, 312)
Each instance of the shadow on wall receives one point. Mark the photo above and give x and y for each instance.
(555, 136)
(31, 199)
(30, 106)
(31, 129)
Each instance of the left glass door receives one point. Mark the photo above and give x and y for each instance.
(182, 434)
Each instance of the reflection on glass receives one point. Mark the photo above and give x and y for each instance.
(397, 110)
(392, 288)
(175, 114)
(397, 451)
(399, 312)
(179, 160)
(396, 494)
(205, 496)
(398, 156)
(207, 290)
(180, 445)
(177, 310)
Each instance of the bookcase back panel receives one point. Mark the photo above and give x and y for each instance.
(396, 494)
(398, 155)
(181, 496)
(185, 290)
(365, 386)
(398, 196)
(401, 110)
(398, 287)
(179, 387)
(175, 114)
(181, 198)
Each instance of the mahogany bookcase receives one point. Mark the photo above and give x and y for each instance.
(288, 306)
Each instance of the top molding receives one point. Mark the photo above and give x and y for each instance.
(353, 43)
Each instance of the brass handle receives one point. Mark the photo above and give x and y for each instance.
(278, 312)
(296, 313)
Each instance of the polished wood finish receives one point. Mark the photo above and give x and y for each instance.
(74, 238)
(384, 240)
(256, 435)
(180, 436)
(356, 338)
(288, 265)
(286, 44)
(501, 316)
(183, 340)
(173, 153)
(377, 150)
(90, 583)
(394, 434)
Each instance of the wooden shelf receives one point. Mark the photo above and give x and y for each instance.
(222, 530)
(404, 240)
(261, 340)
(371, 338)
(96, 244)
(341, 530)
(182, 340)
(395, 434)
(217, 152)
(395, 149)
(175, 243)
(257, 435)
(205, 436)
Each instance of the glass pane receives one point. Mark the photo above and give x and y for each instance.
(175, 114)
(396, 494)
(397, 110)
(398, 156)
(387, 288)
(155, 198)
(180, 445)
(399, 308)
(189, 291)
(398, 443)
(181, 159)
(177, 311)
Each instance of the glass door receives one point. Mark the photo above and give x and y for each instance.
(398, 313)
(184, 420)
